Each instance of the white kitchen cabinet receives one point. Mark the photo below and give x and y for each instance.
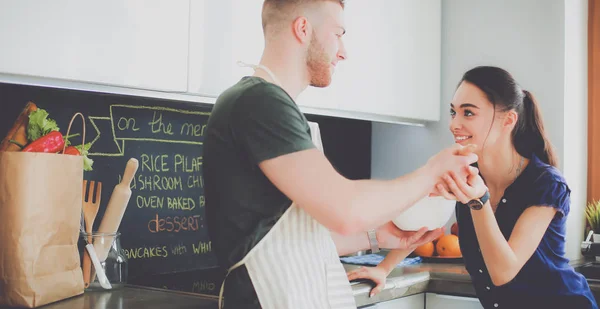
(132, 43)
(392, 73)
(409, 302)
(392, 70)
(221, 34)
(440, 301)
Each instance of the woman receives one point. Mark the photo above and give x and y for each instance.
(512, 233)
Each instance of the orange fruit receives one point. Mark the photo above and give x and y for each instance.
(438, 238)
(448, 246)
(425, 250)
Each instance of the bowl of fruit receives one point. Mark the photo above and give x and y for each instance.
(444, 249)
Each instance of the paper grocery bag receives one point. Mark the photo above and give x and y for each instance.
(40, 209)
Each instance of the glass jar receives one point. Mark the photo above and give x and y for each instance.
(112, 258)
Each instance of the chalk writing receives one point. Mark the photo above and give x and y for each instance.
(146, 253)
(202, 248)
(186, 164)
(179, 249)
(174, 224)
(150, 201)
(157, 183)
(161, 127)
(126, 124)
(195, 181)
(192, 129)
(203, 286)
(181, 203)
(158, 126)
(154, 163)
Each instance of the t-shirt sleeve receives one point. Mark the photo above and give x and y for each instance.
(267, 124)
(553, 193)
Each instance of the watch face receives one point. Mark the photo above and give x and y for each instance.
(475, 204)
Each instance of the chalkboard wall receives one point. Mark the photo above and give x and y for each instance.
(164, 229)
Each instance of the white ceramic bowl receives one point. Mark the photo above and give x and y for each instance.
(430, 212)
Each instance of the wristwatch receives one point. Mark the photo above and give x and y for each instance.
(477, 204)
(373, 241)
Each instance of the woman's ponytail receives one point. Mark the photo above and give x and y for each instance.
(531, 136)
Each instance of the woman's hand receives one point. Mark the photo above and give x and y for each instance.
(376, 274)
(463, 191)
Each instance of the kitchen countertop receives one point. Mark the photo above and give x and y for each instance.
(414, 279)
(442, 278)
(133, 297)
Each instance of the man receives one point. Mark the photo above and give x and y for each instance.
(277, 211)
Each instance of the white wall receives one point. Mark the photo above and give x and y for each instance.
(575, 118)
(525, 37)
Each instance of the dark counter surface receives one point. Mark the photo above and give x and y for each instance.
(134, 297)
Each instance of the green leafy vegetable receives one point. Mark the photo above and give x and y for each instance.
(87, 162)
(39, 125)
(67, 141)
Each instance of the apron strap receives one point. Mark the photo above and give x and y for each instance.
(264, 68)
(232, 268)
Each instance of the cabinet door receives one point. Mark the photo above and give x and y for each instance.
(440, 301)
(409, 302)
(393, 64)
(222, 33)
(132, 43)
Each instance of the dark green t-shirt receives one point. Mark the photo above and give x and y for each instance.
(251, 122)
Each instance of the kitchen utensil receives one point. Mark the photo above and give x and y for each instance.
(430, 212)
(116, 206)
(114, 267)
(90, 210)
(101, 275)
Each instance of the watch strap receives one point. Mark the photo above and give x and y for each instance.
(477, 204)
(485, 197)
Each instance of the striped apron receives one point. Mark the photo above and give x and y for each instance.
(296, 264)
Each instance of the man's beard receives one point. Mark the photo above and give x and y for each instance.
(318, 64)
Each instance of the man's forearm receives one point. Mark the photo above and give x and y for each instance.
(347, 244)
(386, 199)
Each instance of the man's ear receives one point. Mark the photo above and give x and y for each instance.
(302, 29)
(510, 120)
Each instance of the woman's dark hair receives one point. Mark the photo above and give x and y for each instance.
(528, 136)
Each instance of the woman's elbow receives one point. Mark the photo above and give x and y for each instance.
(503, 278)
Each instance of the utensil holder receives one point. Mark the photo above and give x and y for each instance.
(115, 264)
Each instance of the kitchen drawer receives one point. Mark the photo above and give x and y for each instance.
(441, 301)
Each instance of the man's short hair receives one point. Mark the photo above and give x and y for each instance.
(275, 11)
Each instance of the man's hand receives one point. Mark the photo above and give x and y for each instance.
(390, 236)
(461, 157)
(461, 190)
